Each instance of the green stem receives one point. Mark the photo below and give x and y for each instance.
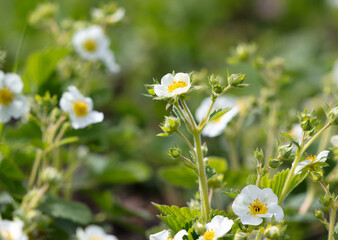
(204, 121)
(299, 153)
(188, 124)
(202, 178)
(271, 133)
(17, 55)
(186, 140)
(332, 222)
(36, 164)
(187, 110)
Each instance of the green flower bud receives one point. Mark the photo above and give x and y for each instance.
(175, 152)
(285, 151)
(199, 228)
(236, 80)
(319, 214)
(273, 232)
(240, 236)
(169, 126)
(51, 176)
(333, 115)
(326, 200)
(43, 13)
(259, 155)
(274, 163)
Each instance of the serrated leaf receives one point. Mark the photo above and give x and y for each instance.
(177, 218)
(218, 113)
(74, 211)
(278, 181)
(232, 192)
(290, 138)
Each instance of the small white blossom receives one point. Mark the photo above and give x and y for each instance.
(92, 44)
(12, 102)
(165, 235)
(322, 157)
(253, 204)
(117, 16)
(173, 85)
(296, 132)
(93, 232)
(12, 230)
(216, 127)
(334, 141)
(79, 108)
(217, 228)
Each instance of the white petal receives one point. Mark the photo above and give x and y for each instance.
(82, 122)
(322, 156)
(66, 102)
(80, 234)
(13, 82)
(221, 225)
(301, 165)
(75, 92)
(94, 231)
(180, 234)
(203, 109)
(277, 211)
(161, 91)
(108, 59)
(5, 115)
(184, 77)
(251, 220)
(181, 90)
(213, 129)
(163, 235)
(267, 196)
(334, 139)
(2, 78)
(167, 80)
(19, 107)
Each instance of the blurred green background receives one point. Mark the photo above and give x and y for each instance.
(159, 36)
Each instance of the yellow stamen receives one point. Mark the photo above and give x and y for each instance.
(7, 234)
(312, 158)
(175, 85)
(80, 108)
(90, 45)
(169, 238)
(209, 235)
(6, 96)
(96, 239)
(257, 207)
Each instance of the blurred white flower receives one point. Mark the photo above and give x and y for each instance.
(12, 230)
(116, 16)
(253, 204)
(296, 132)
(216, 127)
(334, 140)
(309, 160)
(173, 85)
(93, 232)
(333, 3)
(92, 44)
(217, 228)
(165, 235)
(12, 102)
(79, 108)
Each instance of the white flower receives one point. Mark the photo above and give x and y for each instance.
(165, 235)
(322, 157)
(296, 132)
(334, 140)
(253, 204)
(216, 127)
(79, 108)
(92, 44)
(217, 228)
(12, 230)
(173, 85)
(12, 102)
(93, 232)
(117, 16)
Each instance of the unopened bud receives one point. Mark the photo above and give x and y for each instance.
(199, 228)
(274, 163)
(273, 232)
(236, 80)
(285, 151)
(259, 155)
(240, 236)
(175, 152)
(50, 175)
(333, 115)
(169, 126)
(319, 214)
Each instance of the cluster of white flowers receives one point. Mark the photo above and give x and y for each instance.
(12, 102)
(93, 232)
(12, 230)
(92, 44)
(217, 228)
(79, 108)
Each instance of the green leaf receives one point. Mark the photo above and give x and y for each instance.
(177, 218)
(218, 113)
(74, 211)
(219, 164)
(180, 176)
(290, 138)
(278, 181)
(40, 65)
(10, 169)
(232, 192)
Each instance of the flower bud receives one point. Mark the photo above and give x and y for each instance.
(50, 175)
(259, 155)
(169, 126)
(285, 151)
(274, 162)
(272, 231)
(236, 80)
(333, 115)
(175, 152)
(199, 228)
(319, 214)
(43, 13)
(240, 236)
(326, 200)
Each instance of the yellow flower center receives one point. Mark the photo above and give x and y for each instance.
(90, 45)
(209, 235)
(7, 235)
(169, 238)
(257, 207)
(312, 158)
(6, 96)
(80, 108)
(96, 238)
(175, 85)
